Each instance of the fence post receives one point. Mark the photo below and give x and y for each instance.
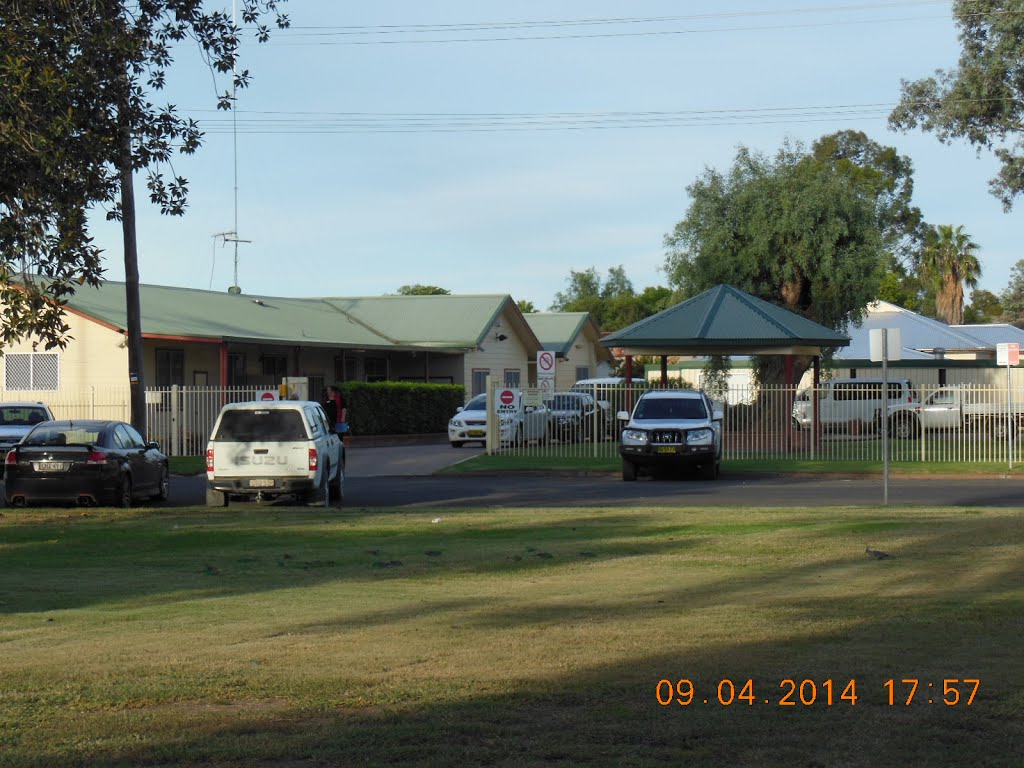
(175, 419)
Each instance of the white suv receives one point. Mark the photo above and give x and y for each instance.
(262, 450)
(672, 429)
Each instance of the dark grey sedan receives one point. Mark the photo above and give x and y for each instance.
(85, 462)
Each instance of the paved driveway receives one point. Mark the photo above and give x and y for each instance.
(406, 459)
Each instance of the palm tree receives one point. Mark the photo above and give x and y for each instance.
(949, 260)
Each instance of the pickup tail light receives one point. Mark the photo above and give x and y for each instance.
(313, 460)
(209, 459)
(96, 457)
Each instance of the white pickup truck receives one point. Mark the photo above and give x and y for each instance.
(980, 408)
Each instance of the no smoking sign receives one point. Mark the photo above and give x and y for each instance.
(545, 362)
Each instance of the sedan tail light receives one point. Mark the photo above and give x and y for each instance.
(313, 460)
(96, 457)
(12, 458)
(209, 459)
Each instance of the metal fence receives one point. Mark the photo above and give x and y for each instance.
(935, 424)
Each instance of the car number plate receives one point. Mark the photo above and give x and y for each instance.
(475, 433)
(666, 449)
(261, 482)
(50, 466)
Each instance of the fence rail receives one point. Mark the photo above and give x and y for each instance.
(976, 424)
(937, 424)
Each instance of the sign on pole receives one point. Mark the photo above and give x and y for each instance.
(546, 372)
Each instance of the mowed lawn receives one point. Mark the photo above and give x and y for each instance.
(284, 636)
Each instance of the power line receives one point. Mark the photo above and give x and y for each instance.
(411, 31)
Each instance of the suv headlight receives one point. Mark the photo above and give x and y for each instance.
(700, 437)
(634, 437)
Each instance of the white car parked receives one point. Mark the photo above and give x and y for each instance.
(262, 450)
(517, 423)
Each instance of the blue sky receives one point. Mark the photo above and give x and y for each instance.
(374, 153)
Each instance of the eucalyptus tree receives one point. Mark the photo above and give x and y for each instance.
(981, 100)
(76, 125)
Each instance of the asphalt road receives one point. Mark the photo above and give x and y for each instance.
(401, 477)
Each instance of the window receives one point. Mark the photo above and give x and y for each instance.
(582, 372)
(236, 370)
(512, 377)
(32, 371)
(170, 367)
(376, 369)
(275, 366)
(480, 380)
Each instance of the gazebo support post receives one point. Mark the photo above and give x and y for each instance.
(788, 400)
(816, 422)
(629, 383)
(664, 371)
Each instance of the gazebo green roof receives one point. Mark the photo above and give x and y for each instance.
(724, 321)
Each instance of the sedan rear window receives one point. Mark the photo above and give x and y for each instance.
(261, 426)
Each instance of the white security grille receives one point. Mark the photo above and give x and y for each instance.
(32, 371)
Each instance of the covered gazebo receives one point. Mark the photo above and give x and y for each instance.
(724, 321)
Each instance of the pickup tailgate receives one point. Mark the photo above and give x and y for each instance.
(260, 442)
(260, 459)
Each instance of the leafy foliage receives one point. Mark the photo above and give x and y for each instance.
(75, 118)
(984, 307)
(950, 262)
(423, 290)
(791, 230)
(982, 99)
(612, 303)
(1012, 297)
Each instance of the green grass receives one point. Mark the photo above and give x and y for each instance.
(281, 636)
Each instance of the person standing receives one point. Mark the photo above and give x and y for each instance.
(330, 407)
(341, 412)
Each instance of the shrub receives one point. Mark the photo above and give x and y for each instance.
(400, 407)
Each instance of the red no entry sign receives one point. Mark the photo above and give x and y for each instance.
(267, 396)
(507, 397)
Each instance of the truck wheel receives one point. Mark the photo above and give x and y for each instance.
(997, 427)
(628, 470)
(709, 471)
(337, 493)
(903, 428)
(322, 495)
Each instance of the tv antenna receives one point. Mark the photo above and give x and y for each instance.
(231, 236)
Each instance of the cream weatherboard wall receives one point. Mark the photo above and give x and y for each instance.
(94, 356)
(497, 357)
(581, 355)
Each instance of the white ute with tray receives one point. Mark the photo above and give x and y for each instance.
(261, 450)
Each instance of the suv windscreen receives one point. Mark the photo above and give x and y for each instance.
(22, 415)
(261, 425)
(670, 408)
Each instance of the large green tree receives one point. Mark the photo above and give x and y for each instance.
(76, 124)
(612, 302)
(423, 290)
(1012, 297)
(790, 229)
(981, 100)
(950, 262)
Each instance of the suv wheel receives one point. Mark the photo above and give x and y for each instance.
(710, 471)
(628, 470)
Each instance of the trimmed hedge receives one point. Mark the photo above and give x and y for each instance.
(400, 407)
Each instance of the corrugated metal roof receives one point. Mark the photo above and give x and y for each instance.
(994, 333)
(919, 335)
(557, 331)
(724, 318)
(437, 322)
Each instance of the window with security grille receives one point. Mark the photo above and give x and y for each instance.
(32, 370)
(480, 380)
(170, 367)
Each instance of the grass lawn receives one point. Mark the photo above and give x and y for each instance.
(291, 637)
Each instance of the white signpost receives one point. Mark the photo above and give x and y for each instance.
(546, 372)
(1008, 355)
(885, 346)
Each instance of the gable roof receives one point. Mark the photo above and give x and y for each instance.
(453, 323)
(922, 337)
(558, 331)
(994, 333)
(724, 320)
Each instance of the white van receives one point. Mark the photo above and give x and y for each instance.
(852, 405)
